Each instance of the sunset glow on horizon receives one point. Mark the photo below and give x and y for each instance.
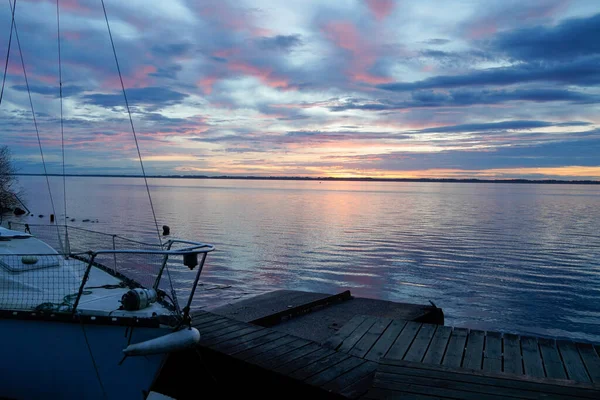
(364, 88)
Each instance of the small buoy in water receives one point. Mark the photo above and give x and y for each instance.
(85, 220)
(41, 216)
(72, 219)
(51, 217)
(166, 230)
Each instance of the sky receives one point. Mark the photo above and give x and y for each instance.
(364, 88)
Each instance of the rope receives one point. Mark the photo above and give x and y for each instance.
(35, 124)
(93, 359)
(131, 121)
(62, 130)
(12, 24)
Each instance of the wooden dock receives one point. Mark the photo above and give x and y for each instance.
(372, 338)
(379, 358)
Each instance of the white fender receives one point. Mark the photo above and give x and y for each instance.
(183, 339)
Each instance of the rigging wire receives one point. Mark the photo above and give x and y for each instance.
(12, 24)
(37, 131)
(131, 122)
(112, 42)
(62, 130)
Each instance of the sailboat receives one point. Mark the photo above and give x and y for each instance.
(79, 323)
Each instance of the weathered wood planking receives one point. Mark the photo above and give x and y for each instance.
(437, 347)
(474, 352)
(591, 359)
(532, 360)
(572, 360)
(385, 341)
(456, 348)
(492, 354)
(347, 367)
(513, 363)
(553, 365)
(402, 379)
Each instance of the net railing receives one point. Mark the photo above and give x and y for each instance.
(137, 263)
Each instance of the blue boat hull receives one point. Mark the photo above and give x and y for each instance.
(46, 359)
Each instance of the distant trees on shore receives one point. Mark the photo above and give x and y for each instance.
(8, 200)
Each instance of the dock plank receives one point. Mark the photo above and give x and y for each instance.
(404, 340)
(303, 361)
(319, 365)
(335, 371)
(293, 355)
(351, 340)
(572, 361)
(337, 338)
(513, 363)
(232, 332)
(492, 356)
(217, 325)
(344, 381)
(419, 346)
(206, 319)
(226, 345)
(266, 347)
(591, 360)
(553, 364)
(362, 347)
(437, 348)
(474, 350)
(562, 388)
(456, 347)
(270, 358)
(385, 341)
(532, 360)
(257, 341)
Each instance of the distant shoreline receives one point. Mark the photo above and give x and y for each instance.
(329, 179)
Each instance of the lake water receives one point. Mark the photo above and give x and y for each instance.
(523, 258)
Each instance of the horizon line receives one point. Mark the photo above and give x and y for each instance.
(308, 178)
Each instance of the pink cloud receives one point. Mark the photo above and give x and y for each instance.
(265, 75)
(345, 35)
(225, 53)
(231, 17)
(381, 8)
(71, 35)
(140, 78)
(206, 84)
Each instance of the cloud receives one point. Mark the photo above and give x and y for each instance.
(280, 42)
(67, 91)
(152, 96)
(501, 126)
(581, 72)
(437, 41)
(381, 8)
(577, 37)
(469, 97)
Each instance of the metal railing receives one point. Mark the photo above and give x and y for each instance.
(140, 257)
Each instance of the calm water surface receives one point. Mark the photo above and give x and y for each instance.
(515, 257)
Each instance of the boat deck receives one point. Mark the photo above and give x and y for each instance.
(378, 357)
